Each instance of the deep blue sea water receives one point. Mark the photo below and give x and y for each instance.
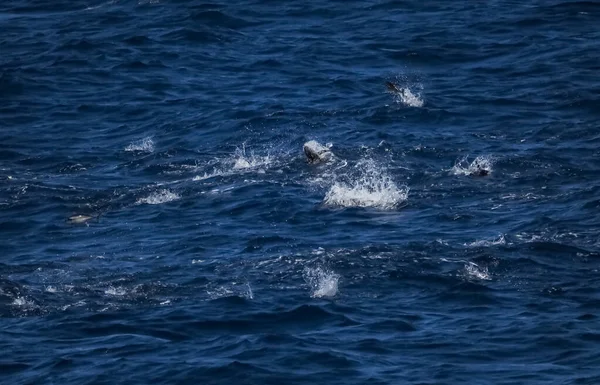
(215, 254)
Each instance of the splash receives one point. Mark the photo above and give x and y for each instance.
(144, 145)
(405, 95)
(242, 160)
(323, 283)
(23, 302)
(481, 163)
(372, 188)
(473, 270)
(159, 197)
(115, 291)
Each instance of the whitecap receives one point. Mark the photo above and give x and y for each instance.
(159, 197)
(144, 145)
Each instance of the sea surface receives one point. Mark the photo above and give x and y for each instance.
(160, 224)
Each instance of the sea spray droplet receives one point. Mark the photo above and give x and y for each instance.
(323, 283)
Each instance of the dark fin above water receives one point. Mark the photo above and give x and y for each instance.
(480, 172)
(394, 88)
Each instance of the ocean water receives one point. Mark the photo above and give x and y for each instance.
(208, 251)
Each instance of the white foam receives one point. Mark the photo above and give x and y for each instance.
(463, 167)
(159, 197)
(144, 145)
(373, 187)
(323, 283)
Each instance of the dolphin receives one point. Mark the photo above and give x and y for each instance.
(315, 152)
(394, 88)
(79, 218)
(479, 169)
